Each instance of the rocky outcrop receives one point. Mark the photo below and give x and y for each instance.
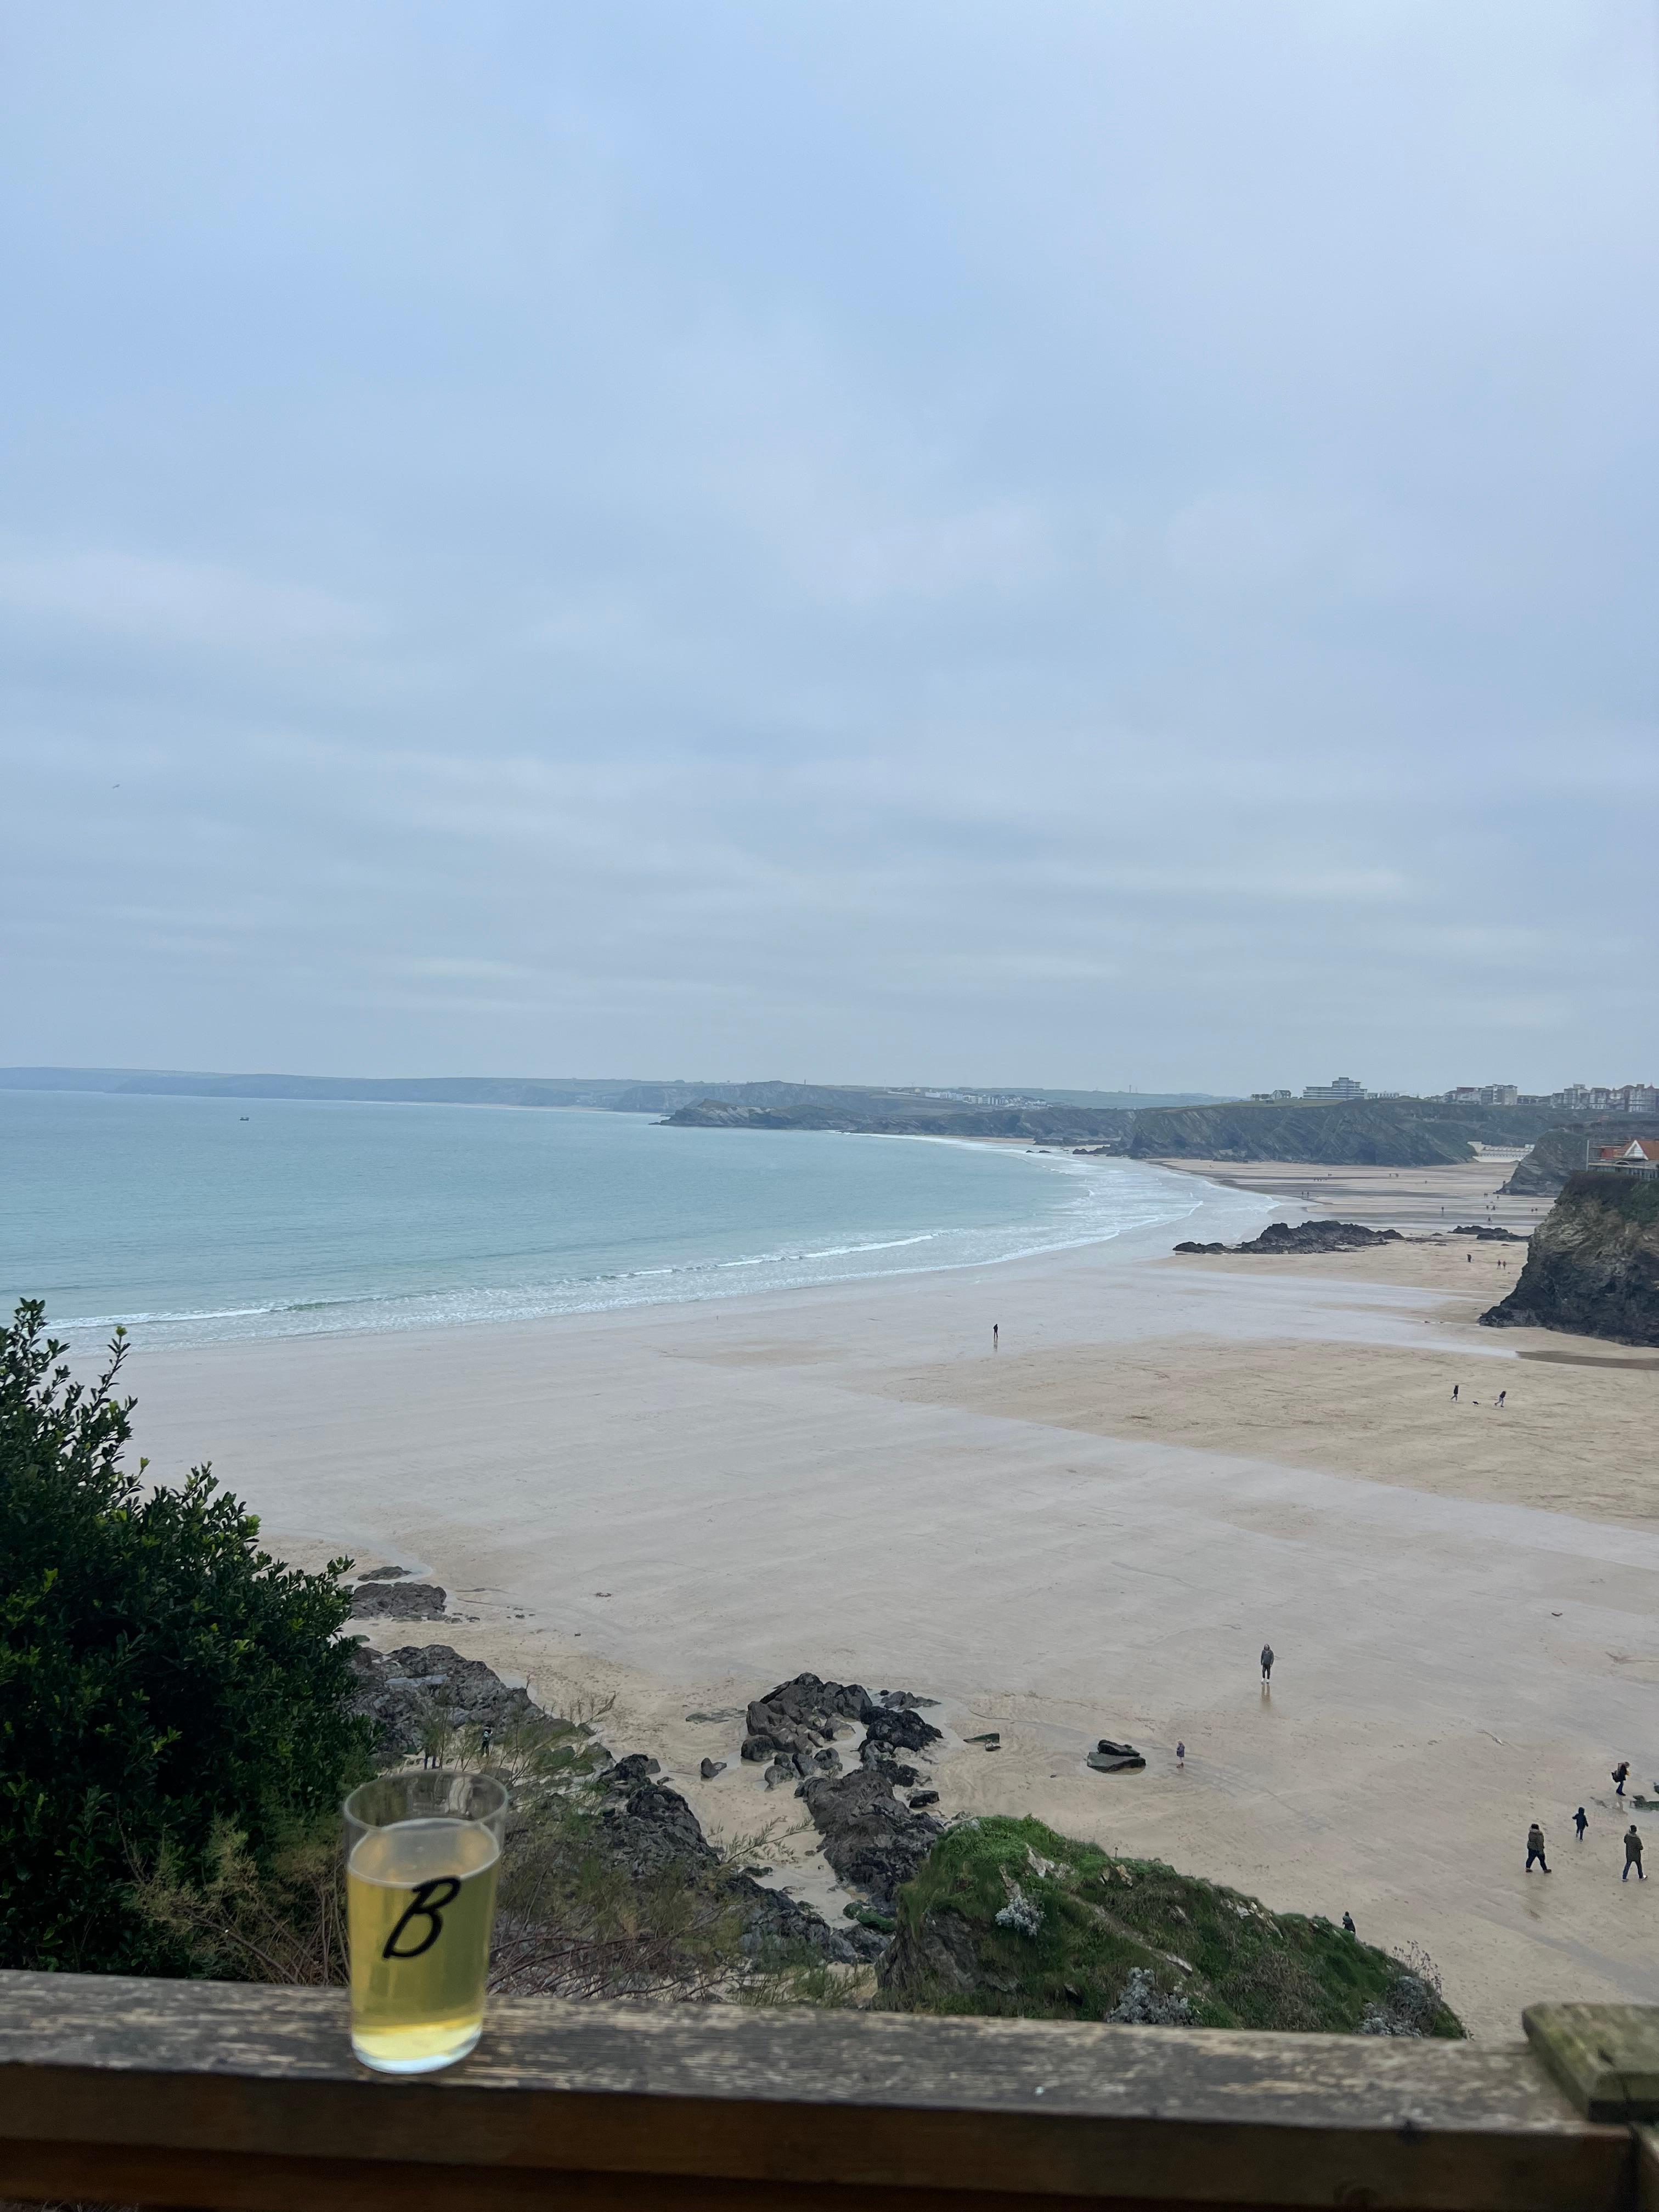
(793, 1727)
(398, 1600)
(403, 1691)
(648, 1829)
(869, 1838)
(801, 1716)
(1393, 1132)
(642, 1827)
(1593, 1264)
(873, 1113)
(1488, 1236)
(1307, 1237)
(1111, 1757)
(1562, 1151)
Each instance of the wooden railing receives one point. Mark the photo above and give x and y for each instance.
(221, 2094)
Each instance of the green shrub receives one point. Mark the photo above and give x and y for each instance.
(162, 1680)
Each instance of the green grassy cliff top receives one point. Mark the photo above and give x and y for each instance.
(1005, 1917)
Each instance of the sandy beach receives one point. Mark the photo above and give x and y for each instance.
(1089, 1532)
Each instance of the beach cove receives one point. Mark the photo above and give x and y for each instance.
(1090, 1531)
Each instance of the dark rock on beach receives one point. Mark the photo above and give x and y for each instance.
(869, 1838)
(1111, 1757)
(403, 1691)
(711, 1767)
(647, 1826)
(801, 1714)
(398, 1600)
(1307, 1237)
(901, 1728)
(879, 1760)
(648, 1829)
(636, 1767)
(796, 1720)
(643, 1827)
(776, 1920)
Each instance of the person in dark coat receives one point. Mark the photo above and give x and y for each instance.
(1633, 1853)
(1267, 1662)
(1581, 1821)
(1535, 1848)
(1621, 1775)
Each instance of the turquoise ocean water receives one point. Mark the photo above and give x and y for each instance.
(192, 1224)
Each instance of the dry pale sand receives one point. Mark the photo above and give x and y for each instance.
(1415, 1198)
(1090, 1533)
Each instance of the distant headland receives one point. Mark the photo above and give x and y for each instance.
(1341, 1125)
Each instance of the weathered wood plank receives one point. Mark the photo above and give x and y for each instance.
(112, 2025)
(1647, 2169)
(220, 2094)
(55, 2174)
(1605, 2056)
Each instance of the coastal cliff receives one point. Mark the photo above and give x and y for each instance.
(1388, 1133)
(884, 1115)
(1006, 1916)
(1348, 1133)
(1593, 1264)
(1561, 1152)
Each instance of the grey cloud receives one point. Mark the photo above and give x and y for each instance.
(1066, 546)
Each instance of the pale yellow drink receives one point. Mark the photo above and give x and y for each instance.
(420, 1902)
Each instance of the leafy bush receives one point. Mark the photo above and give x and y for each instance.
(163, 1681)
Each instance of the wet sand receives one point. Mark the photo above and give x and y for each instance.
(1089, 1533)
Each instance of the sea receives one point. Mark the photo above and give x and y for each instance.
(199, 1221)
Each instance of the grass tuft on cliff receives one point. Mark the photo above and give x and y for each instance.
(1006, 1918)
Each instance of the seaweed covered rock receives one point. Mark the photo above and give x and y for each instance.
(387, 1600)
(1005, 1917)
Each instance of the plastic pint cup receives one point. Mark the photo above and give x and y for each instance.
(423, 1852)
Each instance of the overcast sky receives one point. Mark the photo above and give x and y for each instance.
(1089, 543)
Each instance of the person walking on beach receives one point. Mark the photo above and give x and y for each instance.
(1633, 1853)
(995, 1327)
(1267, 1662)
(1581, 1821)
(1535, 1848)
(1181, 1757)
(1457, 1387)
(1621, 1775)
(1501, 1396)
